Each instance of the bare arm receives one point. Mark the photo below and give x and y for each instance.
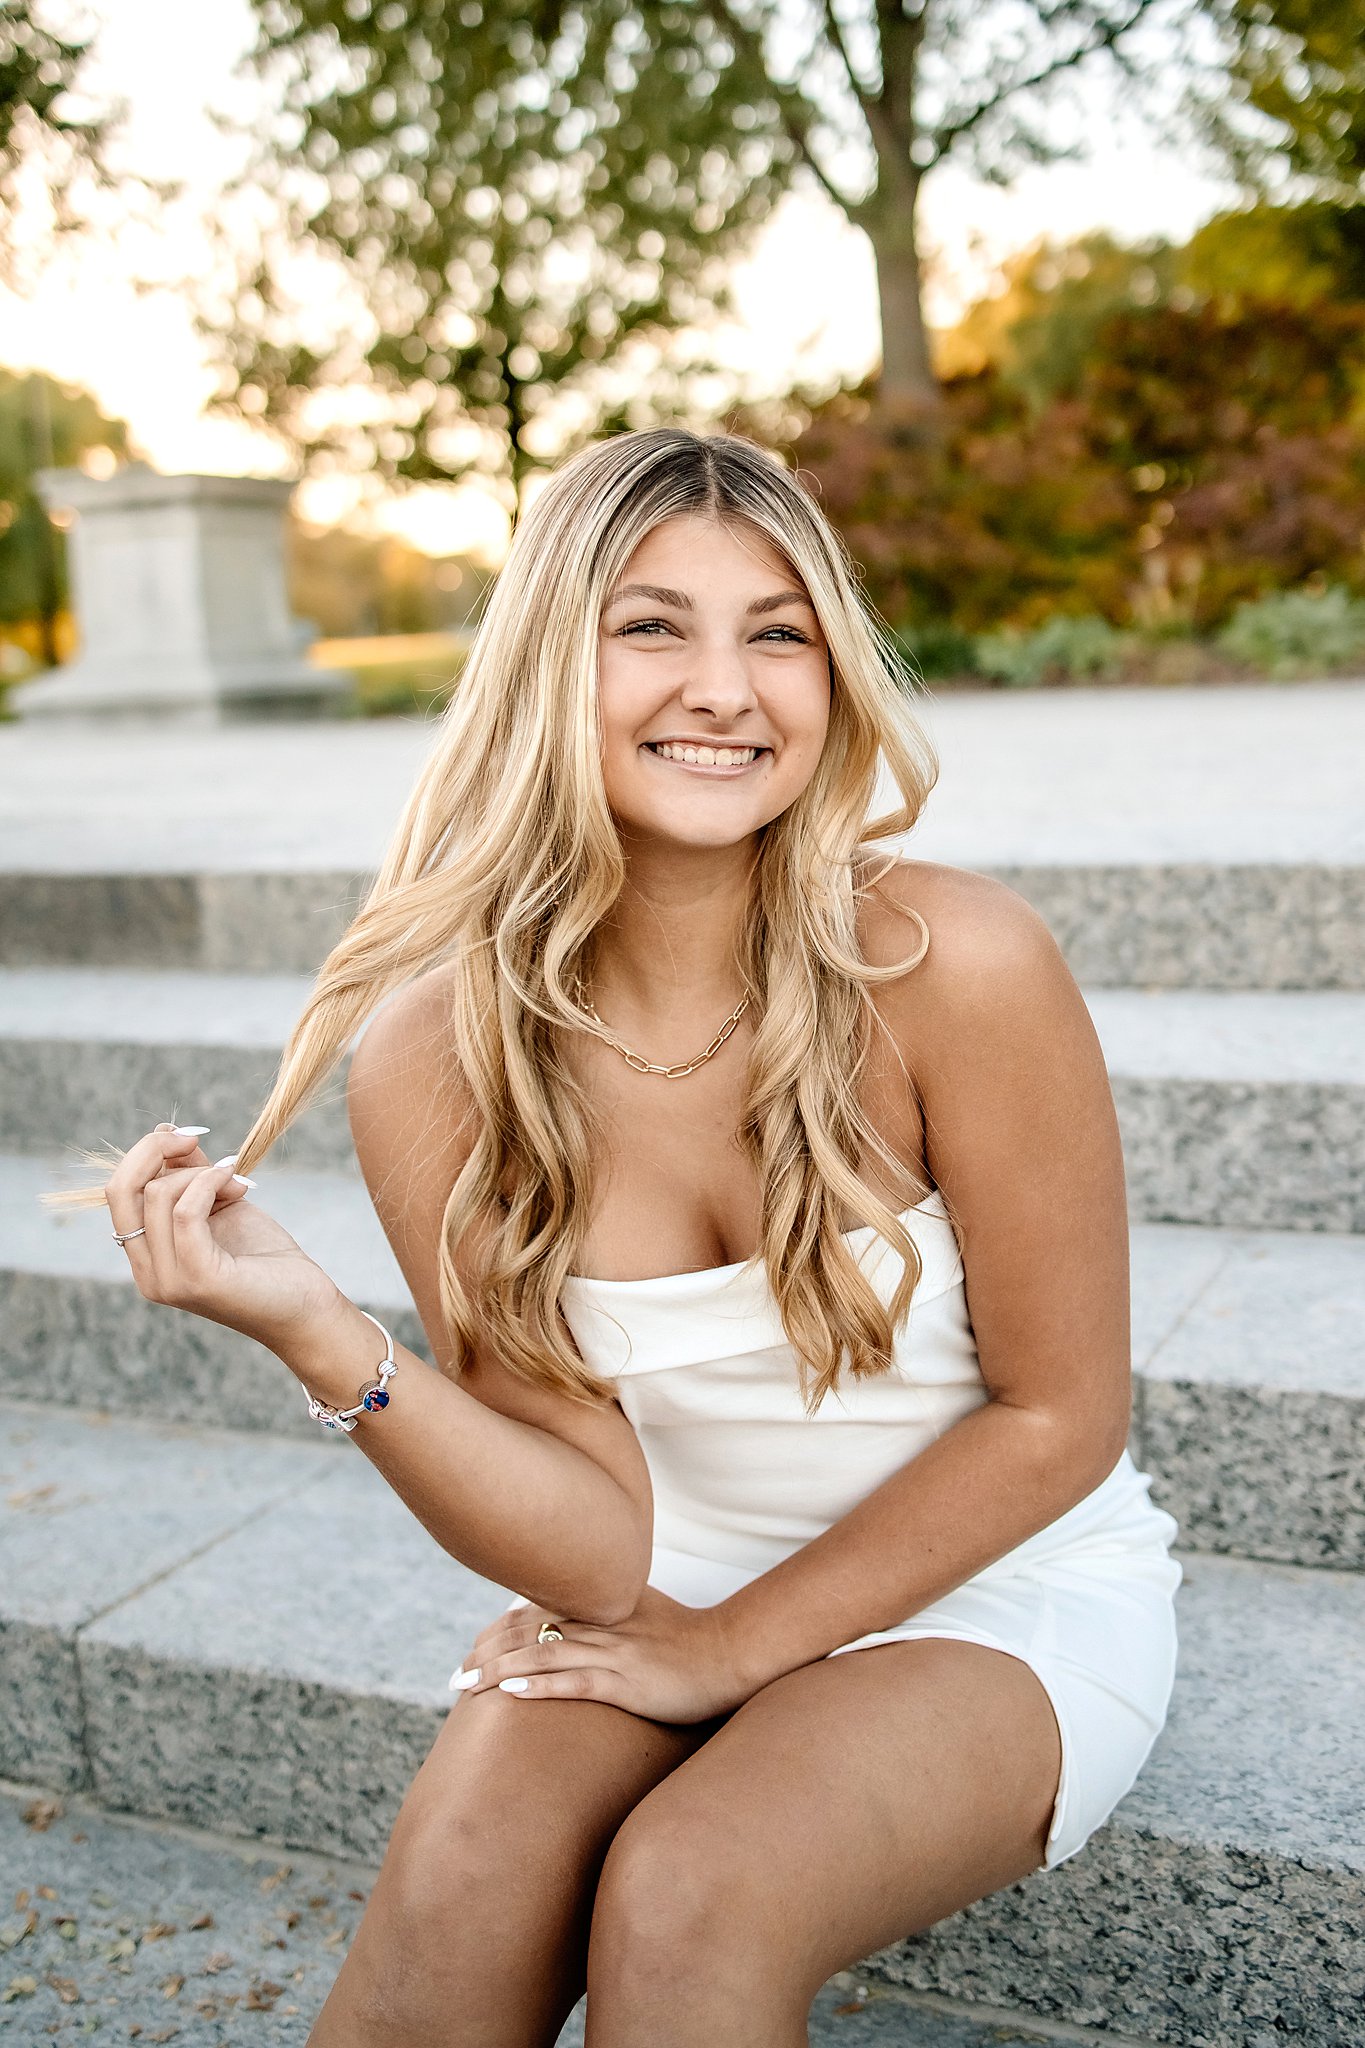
(532, 1490)
(1022, 1138)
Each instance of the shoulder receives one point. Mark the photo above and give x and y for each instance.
(984, 944)
(990, 1012)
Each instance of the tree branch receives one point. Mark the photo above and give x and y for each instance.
(1106, 36)
(794, 110)
(835, 32)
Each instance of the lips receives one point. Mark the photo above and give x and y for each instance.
(707, 757)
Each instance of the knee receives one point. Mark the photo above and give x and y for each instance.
(673, 1889)
(457, 1879)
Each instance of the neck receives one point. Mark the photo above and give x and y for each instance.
(670, 949)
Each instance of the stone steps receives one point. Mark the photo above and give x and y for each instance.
(1238, 1108)
(1292, 924)
(254, 1636)
(178, 1926)
(246, 1630)
(1248, 1349)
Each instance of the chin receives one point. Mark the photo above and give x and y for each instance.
(693, 833)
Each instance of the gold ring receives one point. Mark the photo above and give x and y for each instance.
(548, 1633)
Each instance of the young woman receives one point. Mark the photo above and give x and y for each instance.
(761, 1195)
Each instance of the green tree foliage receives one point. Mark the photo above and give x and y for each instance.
(38, 117)
(356, 583)
(43, 424)
(516, 192)
(1300, 65)
(517, 196)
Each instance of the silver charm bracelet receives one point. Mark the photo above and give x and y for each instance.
(373, 1397)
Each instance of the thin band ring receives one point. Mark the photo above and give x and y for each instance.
(122, 1237)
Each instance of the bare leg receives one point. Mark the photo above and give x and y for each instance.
(477, 1929)
(846, 1805)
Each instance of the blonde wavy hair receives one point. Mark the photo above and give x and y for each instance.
(507, 859)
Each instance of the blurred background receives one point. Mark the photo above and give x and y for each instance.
(1060, 308)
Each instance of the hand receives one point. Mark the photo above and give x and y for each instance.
(208, 1249)
(665, 1662)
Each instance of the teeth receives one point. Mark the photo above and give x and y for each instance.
(706, 757)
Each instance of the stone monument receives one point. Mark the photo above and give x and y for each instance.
(178, 584)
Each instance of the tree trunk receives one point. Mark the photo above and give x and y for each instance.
(908, 395)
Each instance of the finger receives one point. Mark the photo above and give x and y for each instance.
(578, 1682)
(511, 1632)
(193, 1251)
(126, 1191)
(160, 1200)
(199, 1157)
(534, 1661)
(518, 1614)
(143, 1162)
(158, 1203)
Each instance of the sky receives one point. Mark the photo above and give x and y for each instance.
(806, 297)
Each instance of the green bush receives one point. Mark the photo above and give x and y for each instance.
(1297, 632)
(938, 650)
(1062, 649)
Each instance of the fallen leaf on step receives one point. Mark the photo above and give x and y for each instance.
(261, 1997)
(200, 1920)
(32, 1497)
(219, 1960)
(171, 1987)
(18, 1987)
(39, 1814)
(285, 1870)
(66, 1989)
(158, 1930)
(20, 1900)
(67, 1929)
(15, 1931)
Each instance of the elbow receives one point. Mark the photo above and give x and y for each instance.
(1092, 1454)
(611, 1597)
(623, 1598)
(1079, 1453)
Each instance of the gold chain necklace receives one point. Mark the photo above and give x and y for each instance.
(644, 1066)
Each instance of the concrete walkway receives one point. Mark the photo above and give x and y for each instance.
(143, 1932)
(1251, 773)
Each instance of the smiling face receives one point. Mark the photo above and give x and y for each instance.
(713, 685)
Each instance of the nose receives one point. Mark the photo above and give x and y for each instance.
(718, 682)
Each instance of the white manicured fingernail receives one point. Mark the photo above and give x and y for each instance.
(462, 1680)
(190, 1130)
(243, 1179)
(228, 1159)
(513, 1684)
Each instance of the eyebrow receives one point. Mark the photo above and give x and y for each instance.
(679, 600)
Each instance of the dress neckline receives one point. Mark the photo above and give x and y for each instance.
(741, 1265)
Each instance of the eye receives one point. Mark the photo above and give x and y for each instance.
(644, 626)
(790, 632)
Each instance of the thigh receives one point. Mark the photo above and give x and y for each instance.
(848, 1804)
(483, 1903)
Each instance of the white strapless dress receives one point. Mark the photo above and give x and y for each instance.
(742, 1477)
